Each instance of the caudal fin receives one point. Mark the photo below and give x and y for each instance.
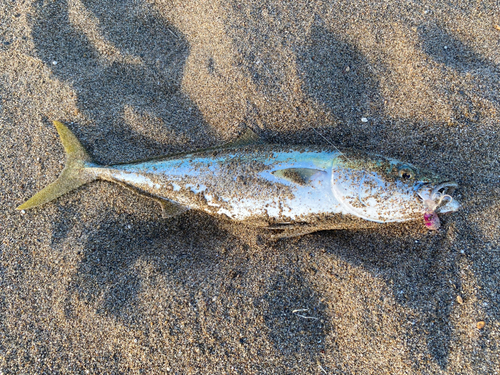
(73, 174)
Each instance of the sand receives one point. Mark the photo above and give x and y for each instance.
(97, 282)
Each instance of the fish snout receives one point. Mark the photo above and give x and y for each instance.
(439, 198)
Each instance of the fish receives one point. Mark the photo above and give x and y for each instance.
(289, 190)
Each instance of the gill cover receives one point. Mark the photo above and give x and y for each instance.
(368, 195)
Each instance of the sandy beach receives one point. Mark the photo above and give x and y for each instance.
(97, 282)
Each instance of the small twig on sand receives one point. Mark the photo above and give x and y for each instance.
(322, 369)
(174, 34)
(299, 310)
(303, 316)
(307, 317)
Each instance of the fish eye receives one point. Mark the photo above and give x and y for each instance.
(406, 173)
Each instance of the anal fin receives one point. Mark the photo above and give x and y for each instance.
(168, 208)
(278, 231)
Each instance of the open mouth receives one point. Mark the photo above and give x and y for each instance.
(444, 188)
(439, 198)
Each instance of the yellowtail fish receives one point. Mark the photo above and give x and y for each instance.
(290, 189)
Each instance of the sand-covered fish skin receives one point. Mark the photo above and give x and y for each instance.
(267, 185)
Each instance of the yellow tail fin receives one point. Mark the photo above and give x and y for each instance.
(73, 174)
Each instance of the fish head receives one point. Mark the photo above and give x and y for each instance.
(382, 189)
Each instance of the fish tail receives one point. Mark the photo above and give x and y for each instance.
(74, 174)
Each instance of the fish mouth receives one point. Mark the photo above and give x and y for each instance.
(439, 198)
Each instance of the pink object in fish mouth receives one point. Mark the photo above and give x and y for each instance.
(438, 199)
(431, 220)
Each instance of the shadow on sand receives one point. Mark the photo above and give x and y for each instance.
(107, 276)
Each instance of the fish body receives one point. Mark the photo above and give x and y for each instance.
(299, 188)
(241, 184)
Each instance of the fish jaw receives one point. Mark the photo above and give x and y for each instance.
(438, 198)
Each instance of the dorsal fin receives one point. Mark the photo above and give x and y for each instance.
(299, 176)
(248, 137)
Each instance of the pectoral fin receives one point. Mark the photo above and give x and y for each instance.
(299, 176)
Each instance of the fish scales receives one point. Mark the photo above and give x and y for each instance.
(297, 189)
(237, 183)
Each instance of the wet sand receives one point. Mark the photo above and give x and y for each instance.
(97, 282)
